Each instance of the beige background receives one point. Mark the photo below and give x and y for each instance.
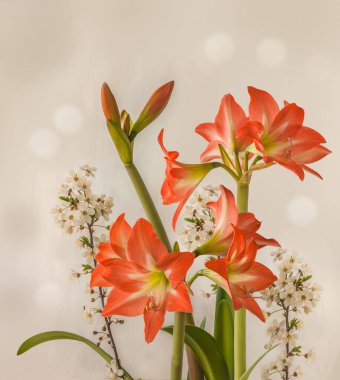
(54, 55)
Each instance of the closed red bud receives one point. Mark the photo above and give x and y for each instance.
(109, 105)
(153, 108)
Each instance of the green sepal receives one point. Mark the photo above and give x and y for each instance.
(206, 350)
(225, 157)
(35, 340)
(121, 141)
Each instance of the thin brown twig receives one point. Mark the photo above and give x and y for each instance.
(102, 299)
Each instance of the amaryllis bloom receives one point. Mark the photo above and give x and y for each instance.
(283, 139)
(180, 179)
(240, 275)
(231, 129)
(227, 216)
(145, 278)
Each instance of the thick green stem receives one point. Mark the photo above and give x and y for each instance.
(178, 346)
(242, 196)
(155, 220)
(240, 348)
(147, 203)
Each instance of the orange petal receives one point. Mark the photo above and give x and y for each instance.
(178, 299)
(208, 131)
(97, 279)
(121, 303)
(287, 122)
(176, 266)
(262, 107)
(106, 252)
(172, 155)
(250, 304)
(257, 277)
(144, 246)
(229, 119)
(119, 234)
(212, 151)
(153, 320)
(126, 276)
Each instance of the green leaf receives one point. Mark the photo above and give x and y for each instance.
(224, 333)
(206, 350)
(35, 340)
(246, 375)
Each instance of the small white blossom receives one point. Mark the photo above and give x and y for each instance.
(296, 373)
(113, 372)
(199, 218)
(79, 207)
(288, 298)
(88, 313)
(88, 170)
(310, 355)
(74, 275)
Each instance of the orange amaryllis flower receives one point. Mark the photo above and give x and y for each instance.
(240, 275)
(180, 179)
(227, 216)
(283, 138)
(149, 280)
(231, 129)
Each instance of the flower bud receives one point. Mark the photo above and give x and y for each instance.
(126, 122)
(118, 135)
(153, 108)
(109, 105)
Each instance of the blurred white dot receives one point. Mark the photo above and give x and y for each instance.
(68, 119)
(319, 68)
(271, 52)
(44, 143)
(48, 297)
(219, 47)
(302, 211)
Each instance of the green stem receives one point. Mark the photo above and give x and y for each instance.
(155, 220)
(193, 278)
(238, 164)
(246, 161)
(240, 359)
(256, 160)
(178, 346)
(242, 196)
(147, 203)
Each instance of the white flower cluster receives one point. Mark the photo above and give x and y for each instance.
(113, 372)
(83, 212)
(289, 298)
(79, 206)
(199, 218)
(80, 211)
